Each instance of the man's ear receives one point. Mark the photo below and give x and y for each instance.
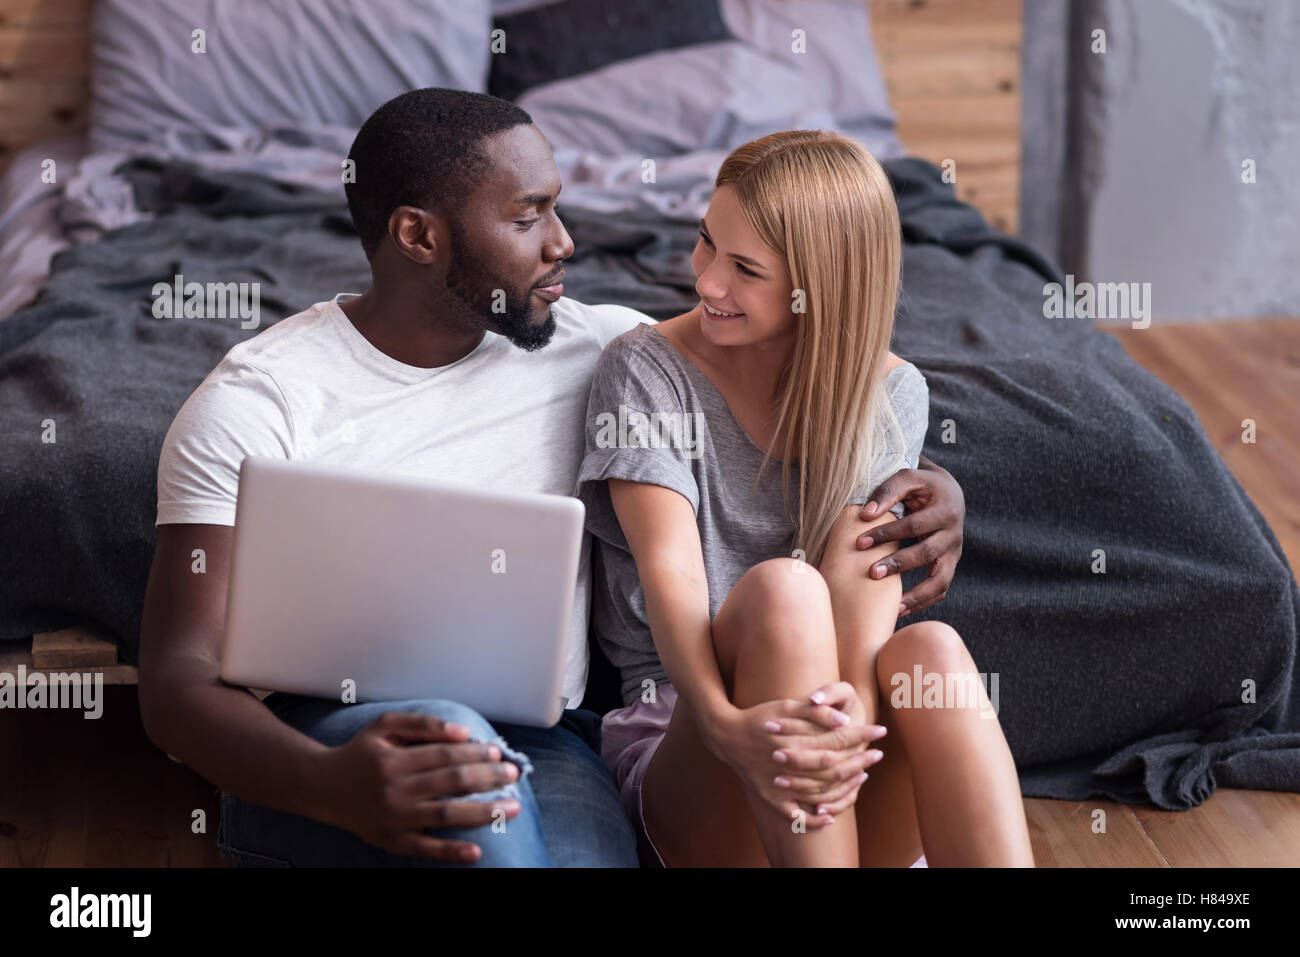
(417, 233)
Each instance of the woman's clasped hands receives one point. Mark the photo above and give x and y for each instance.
(807, 759)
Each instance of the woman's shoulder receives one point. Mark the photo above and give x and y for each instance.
(643, 347)
(909, 396)
(901, 375)
(641, 358)
(893, 363)
(631, 341)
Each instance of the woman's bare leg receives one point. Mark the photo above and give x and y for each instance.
(947, 776)
(866, 612)
(774, 638)
(967, 792)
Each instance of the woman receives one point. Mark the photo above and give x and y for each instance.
(726, 439)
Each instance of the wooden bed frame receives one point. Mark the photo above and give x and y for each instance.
(952, 68)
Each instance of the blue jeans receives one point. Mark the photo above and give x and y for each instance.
(570, 815)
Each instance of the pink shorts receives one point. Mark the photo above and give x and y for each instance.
(629, 737)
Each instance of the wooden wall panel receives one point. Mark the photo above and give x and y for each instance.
(953, 72)
(44, 71)
(952, 68)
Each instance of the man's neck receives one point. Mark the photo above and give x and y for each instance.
(412, 330)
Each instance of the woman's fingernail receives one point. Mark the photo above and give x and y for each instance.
(861, 777)
(781, 781)
(875, 755)
(841, 718)
(817, 697)
(827, 819)
(779, 757)
(772, 726)
(821, 810)
(878, 570)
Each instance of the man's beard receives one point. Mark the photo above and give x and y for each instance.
(481, 294)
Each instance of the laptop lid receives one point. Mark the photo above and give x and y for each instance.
(390, 588)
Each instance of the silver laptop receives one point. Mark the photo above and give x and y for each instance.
(397, 587)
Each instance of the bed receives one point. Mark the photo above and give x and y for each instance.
(1167, 674)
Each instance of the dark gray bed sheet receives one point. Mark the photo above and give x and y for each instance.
(1127, 684)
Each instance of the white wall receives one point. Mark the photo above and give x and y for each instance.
(1156, 130)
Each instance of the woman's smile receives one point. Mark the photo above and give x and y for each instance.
(719, 314)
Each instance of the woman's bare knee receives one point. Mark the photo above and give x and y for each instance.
(782, 591)
(780, 606)
(933, 645)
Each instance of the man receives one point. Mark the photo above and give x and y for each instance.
(461, 361)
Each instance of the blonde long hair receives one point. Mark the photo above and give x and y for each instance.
(822, 202)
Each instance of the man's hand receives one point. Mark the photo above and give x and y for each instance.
(936, 510)
(390, 781)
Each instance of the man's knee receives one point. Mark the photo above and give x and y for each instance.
(480, 729)
(335, 724)
(452, 712)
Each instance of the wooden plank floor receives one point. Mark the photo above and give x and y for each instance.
(97, 793)
(1227, 371)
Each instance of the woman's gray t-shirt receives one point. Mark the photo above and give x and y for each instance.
(655, 418)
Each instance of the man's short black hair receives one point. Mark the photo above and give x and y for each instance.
(423, 148)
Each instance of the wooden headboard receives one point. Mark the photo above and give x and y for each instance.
(952, 68)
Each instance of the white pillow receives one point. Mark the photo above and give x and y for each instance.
(720, 95)
(294, 64)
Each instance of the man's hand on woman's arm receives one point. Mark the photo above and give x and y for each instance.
(935, 513)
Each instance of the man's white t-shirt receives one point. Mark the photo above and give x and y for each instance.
(313, 388)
